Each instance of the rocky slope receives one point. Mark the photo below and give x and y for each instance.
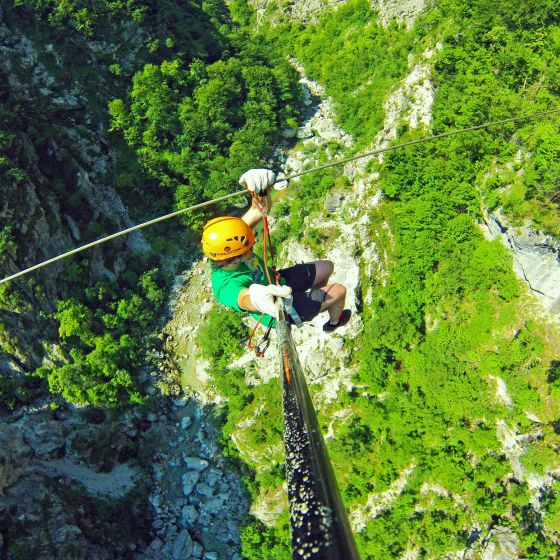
(308, 11)
(144, 485)
(58, 136)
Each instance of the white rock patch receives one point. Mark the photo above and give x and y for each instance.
(376, 503)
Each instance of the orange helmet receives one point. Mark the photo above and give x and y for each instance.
(226, 237)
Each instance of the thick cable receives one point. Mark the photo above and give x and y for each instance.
(285, 178)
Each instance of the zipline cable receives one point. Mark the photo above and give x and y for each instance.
(420, 141)
(278, 180)
(123, 232)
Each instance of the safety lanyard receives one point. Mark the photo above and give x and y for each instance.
(261, 347)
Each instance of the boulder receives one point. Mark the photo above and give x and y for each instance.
(288, 133)
(189, 515)
(190, 480)
(182, 546)
(195, 463)
(205, 490)
(214, 505)
(197, 550)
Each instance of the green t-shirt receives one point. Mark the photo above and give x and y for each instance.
(226, 284)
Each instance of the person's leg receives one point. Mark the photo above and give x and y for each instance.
(334, 301)
(323, 269)
(329, 298)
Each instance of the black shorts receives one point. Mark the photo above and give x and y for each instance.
(300, 278)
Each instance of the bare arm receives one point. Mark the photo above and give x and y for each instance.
(244, 301)
(253, 216)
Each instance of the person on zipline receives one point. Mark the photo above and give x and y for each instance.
(239, 278)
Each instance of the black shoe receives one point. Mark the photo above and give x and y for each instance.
(344, 318)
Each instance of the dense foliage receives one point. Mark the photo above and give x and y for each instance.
(197, 127)
(196, 102)
(447, 325)
(105, 337)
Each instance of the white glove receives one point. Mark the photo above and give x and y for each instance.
(264, 297)
(257, 180)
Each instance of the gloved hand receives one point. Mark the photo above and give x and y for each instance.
(264, 297)
(257, 180)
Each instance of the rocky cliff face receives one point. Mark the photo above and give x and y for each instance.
(61, 194)
(536, 258)
(57, 191)
(308, 11)
(44, 513)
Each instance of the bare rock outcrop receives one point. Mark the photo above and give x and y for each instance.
(60, 191)
(403, 11)
(536, 258)
(15, 456)
(309, 11)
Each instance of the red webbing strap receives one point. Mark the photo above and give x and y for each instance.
(267, 246)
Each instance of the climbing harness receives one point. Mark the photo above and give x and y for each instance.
(278, 180)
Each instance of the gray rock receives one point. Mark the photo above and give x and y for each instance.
(205, 489)
(190, 480)
(197, 550)
(334, 201)
(214, 505)
(210, 556)
(65, 534)
(195, 463)
(170, 532)
(403, 11)
(303, 133)
(503, 544)
(205, 519)
(288, 133)
(43, 434)
(182, 546)
(156, 544)
(536, 258)
(180, 403)
(186, 422)
(213, 475)
(189, 515)
(15, 455)
(217, 472)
